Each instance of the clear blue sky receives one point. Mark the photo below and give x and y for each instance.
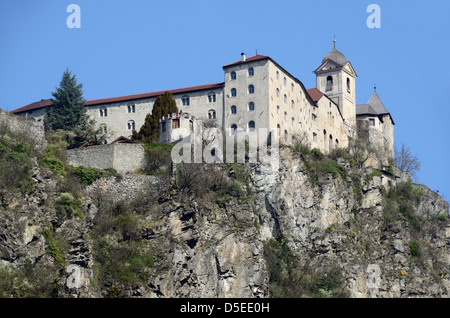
(131, 47)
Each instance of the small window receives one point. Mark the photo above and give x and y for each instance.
(211, 97)
(251, 71)
(292, 104)
(103, 128)
(175, 123)
(103, 112)
(371, 122)
(285, 135)
(233, 75)
(233, 109)
(131, 108)
(251, 89)
(284, 81)
(278, 92)
(278, 109)
(314, 117)
(251, 126)
(278, 75)
(285, 116)
(185, 100)
(348, 85)
(251, 106)
(329, 83)
(285, 99)
(212, 114)
(293, 122)
(233, 92)
(131, 125)
(233, 129)
(314, 137)
(292, 87)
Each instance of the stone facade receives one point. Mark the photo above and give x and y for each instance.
(33, 131)
(124, 158)
(257, 92)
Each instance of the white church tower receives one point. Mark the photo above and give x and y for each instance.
(336, 78)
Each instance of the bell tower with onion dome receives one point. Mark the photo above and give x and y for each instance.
(336, 77)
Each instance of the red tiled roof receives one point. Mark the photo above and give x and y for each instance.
(48, 102)
(315, 94)
(253, 58)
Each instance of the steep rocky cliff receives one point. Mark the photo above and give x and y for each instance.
(147, 236)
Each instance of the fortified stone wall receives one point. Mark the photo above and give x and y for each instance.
(122, 157)
(33, 131)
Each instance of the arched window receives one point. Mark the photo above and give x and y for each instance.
(233, 75)
(212, 114)
(285, 135)
(324, 139)
(329, 83)
(251, 126)
(131, 108)
(278, 109)
(233, 109)
(293, 121)
(292, 104)
(278, 92)
(285, 116)
(212, 97)
(292, 87)
(251, 89)
(251, 71)
(233, 129)
(331, 143)
(185, 100)
(285, 99)
(103, 129)
(348, 85)
(103, 112)
(278, 75)
(233, 92)
(251, 106)
(131, 125)
(284, 81)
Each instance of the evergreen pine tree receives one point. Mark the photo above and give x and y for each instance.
(68, 109)
(149, 132)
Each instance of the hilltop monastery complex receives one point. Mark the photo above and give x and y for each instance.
(257, 92)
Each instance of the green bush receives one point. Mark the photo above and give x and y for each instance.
(53, 247)
(54, 164)
(158, 158)
(69, 206)
(86, 175)
(414, 248)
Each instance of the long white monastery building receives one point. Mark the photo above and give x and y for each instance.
(257, 92)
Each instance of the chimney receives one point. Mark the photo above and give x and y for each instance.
(243, 58)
